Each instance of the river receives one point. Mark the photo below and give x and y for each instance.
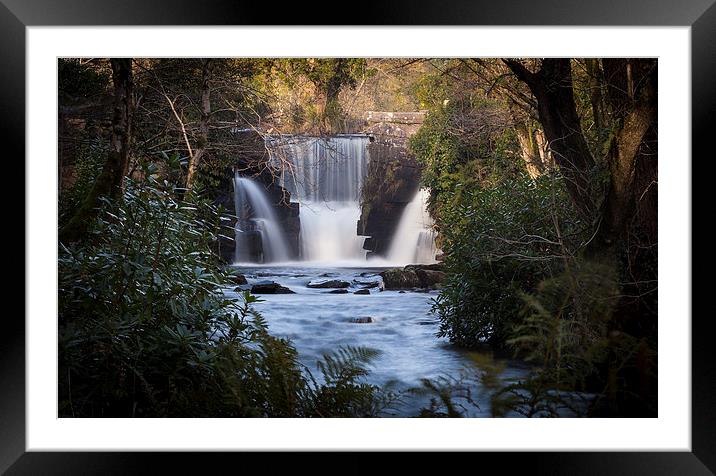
(402, 328)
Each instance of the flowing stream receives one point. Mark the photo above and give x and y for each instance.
(402, 329)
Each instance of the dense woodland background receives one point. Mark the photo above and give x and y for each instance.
(543, 180)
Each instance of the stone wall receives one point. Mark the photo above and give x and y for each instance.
(393, 176)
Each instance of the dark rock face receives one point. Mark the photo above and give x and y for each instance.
(362, 291)
(338, 291)
(239, 279)
(269, 287)
(392, 180)
(414, 276)
(330, 284)
(362, 320)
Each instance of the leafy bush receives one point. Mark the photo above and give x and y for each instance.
(501, 242)
(145, 329)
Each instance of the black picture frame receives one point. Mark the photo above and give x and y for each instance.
(16, 15)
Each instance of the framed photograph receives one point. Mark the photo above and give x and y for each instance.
(448, 231)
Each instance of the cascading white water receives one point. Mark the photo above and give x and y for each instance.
(254, 212)
(325, 175)
(414, 239)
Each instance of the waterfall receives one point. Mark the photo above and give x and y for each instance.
(325, 175)
(414, 239)
(255, 214)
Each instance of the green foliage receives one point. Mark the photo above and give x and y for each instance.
(582, 367)
(501, 241)
(501, 231)
(454, 160)
(449, 397)
(343, 393)
(329, 77)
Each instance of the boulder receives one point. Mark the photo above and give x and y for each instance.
(362, 291)
(367, 284)
(239, 279)
(337, 291)
(400, 278)
(430, 279)
(362, 320)
(414, 276)
(329, 284)
(269, 287)
(430, 267)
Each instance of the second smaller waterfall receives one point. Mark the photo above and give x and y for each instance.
(414, 239)
(255, 215)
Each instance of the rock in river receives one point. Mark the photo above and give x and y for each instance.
(329, 284)
(337, 291)
(413, 276)
(269, 287)
(362, 320)
(367, 284)
(362, 291)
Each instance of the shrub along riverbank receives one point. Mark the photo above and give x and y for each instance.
(525, 271)
(145, 331)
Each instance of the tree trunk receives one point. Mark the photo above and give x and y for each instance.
(205, 114)
(552, 87)
(632, 152)
(631, 157)
(109, 182)
(626, 221)
(596, 80)
(533, 147)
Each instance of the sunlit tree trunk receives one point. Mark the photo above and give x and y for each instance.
(533, 148)
(205, 115)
